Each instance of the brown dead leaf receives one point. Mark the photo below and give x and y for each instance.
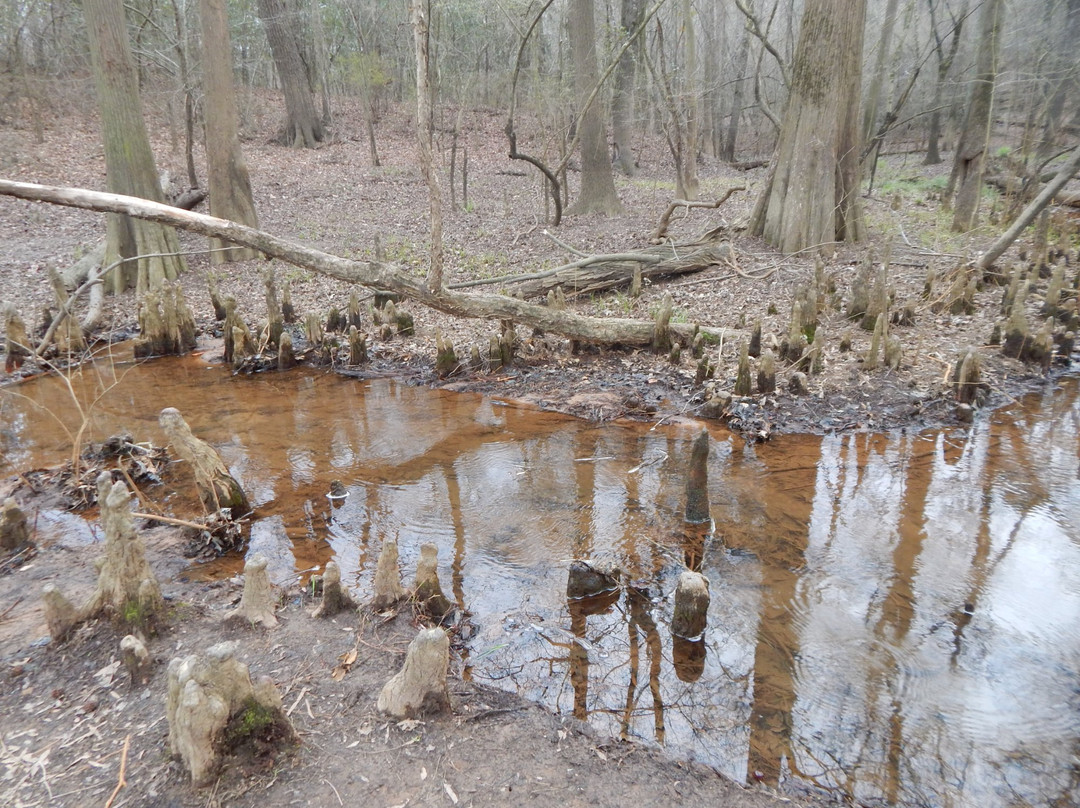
(347, 661)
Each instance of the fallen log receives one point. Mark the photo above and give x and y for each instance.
(596, 273)
(374, 274)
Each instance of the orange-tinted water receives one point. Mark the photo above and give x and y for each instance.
(894, 618)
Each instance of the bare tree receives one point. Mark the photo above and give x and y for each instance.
(970, 160)
(227, 174)
(812, 194)
(129, 161)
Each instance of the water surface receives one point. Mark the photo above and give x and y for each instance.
(894, 618)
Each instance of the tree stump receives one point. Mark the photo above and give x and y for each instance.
(420, 686)
(691, 606)
(742, 377)
(213, 706)
(286, 358)
(14, 532)
(257, 602)
(218, 490)
(427, 591)
(61, 616)
(335, 598)
(388, 589)
(136, 659)
(127, 589)
(587, 579)
(697, 482)
(18, 344)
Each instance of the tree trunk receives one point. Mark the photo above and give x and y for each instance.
(873, 93)
(622, 98)
(227, 174)
(945, 61)
(812, 194)
(419, 11)
(727, 154)
(689, 178)
(302, 126)
(970, 160)
(597, 193)
(129, 161)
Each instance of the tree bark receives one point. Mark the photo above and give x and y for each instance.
(129, 161)
(387, 277)
(970, 160)
(597, 193)
(227, 174)
(302, 126)
(812, 194)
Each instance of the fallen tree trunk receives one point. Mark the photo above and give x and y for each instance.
(596, 273)
(375, 274)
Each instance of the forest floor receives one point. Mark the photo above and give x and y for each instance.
(73, 728)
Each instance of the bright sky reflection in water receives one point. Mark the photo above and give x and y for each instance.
(894, 618)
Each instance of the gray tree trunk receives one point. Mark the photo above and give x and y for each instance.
(622, 99)
(873, 92)
(129, 161)
(727, 153)
(812, 194)
(227, 174)
(970, 160)
(302, 126)
(597, 182)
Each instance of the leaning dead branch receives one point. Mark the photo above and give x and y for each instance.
(379, 275)
(662, 226)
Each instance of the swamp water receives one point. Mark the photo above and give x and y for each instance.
(895, 618)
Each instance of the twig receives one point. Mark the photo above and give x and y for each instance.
(334, 790)
(7, 611)
(139, 494)
(168, 520)
(120, 781)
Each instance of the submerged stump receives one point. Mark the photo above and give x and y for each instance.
(420, 686)
(218, 490)
(588, 578)
(697, 482)
(213, 706)
(691, 606)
